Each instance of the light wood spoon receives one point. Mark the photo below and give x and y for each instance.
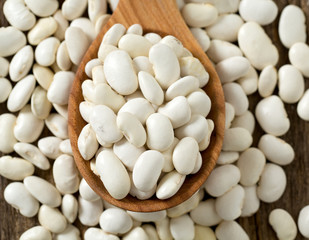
(164, 18)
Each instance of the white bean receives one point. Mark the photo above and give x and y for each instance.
(52, 219)
(202, 37)
(302, 106)
(271, 115)
(40, 106)
(113, 35)
(71, 232)
(236, 139)
(63, 59)
(220, 50)
(57, 125)
(283, 224)
(108, 165)
(18, 196)
(201, 232)
(142, 63)
(7, 136)
(86, 191)
(43, 75)
(11, 41)
(245, 120)
(134, 45)
(174, 44)
(15, 168)
(292, 26)
(199, 103)
(182, 87)
(147, 170)
(44, 28)
(302, 221)
(251, 202)
(222, 179)
(115, 221)
(267, 81)
(72, 9)
(45, 52)
(62, 23)
(49, 146)
(227, 230)
(4, 67)
(148, 216)
(297, 53)
(65, 174)
(136, 233)
(89, 212)
(43, 191)
(98, 234)
(182, 227)
(65, 147)
(69, 207)
(86, 26)
(227, 157)
(36, 233)
(272, 183)
(28, 127)
(87, 142)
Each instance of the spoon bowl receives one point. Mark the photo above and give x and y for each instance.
(163, 18)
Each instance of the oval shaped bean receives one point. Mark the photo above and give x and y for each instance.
(65, 174)
(267, 81)
(86, 191)
(44, 28)
(89, 212)
(28, 127)
(297, 53)
(72, 9)
(63, 59)
(15, 168)
(272, 183)
(49, 146)
(87, 142)
(251, 202)
(246, 120)
(69, 207)
(108, 164)
(7, 136)
(230, 230)
(40, 106)
(11, 41)
(302, 106)
(182, 227)
(45, 52)
(5, 88)
(36, 233)
(160, 134)
(97, 234)
(43, 191)
(18, 196)
(220, 50)
(43, 8)
(57, 125)
(71, 232)
(199, 103)
(115, 221)
(52, 219)
(21, 93)
(302, 221)
(43, 75)
(147, 170)
(182, 87)
(134, 45)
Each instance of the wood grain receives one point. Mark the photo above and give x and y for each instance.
(12, 224)
(161, 17)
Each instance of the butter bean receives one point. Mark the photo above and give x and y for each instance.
(113, 35)
(245, 120)
(227, 157)
(4, 67)
(205, 142)
(199, 103)
(168, 156)
(15, 168)
(229, 114)
(96, 9)
(87, 142)
(283, 224)
(45, 52)
(147, 170)
(229, 205)
(18, 196)
(276, 150)
(271, 115)
(182, 87)
(160, 134)
(86, 26)
(174, 44)
(11, 41)
(115, 221)
(167, 71)
(267, 81)
(135, 29)
(49, 146)
(205, 213)
(44, 28)
(18, 15)
(63, 59)
(72, 9)
(154, 38)
(136, 233)
(225, 27)
(127, 152)
(150, 88)
(249, 82)
(292, 26)
(43, 75)
(184, 207)
(272, 183)
(32, 154)
(141, 63)
(65, 147)
(108, 164)
(52, 219)
(236, 96)
(251, 202)
(89, 212)
(182, 227)
(251, 164)
(77, 44)
(21, 63)
(71, 232)
(65, 174)
(264, 53)
(222, 179)
(7, 136)
(202, 37)
(40, 106)
(220, 50)
(192, 66)
(177, 110)
(36, 233)
(200, 232)
(57, 125)
(148, 216)
(303, 221)
(197, 128)
(98, 234)
(69, 207)
(236, 139)
(249, 11)
(230, 230)
(142, 195)
(37, 186)
(62, 23)
(28, 127)
(302, 106)
(199, 15)
(169, 185)
(297, 53)
(86, 191)
(134, 45)
(100, 22)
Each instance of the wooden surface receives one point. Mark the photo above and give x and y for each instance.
(164, 18)
(12, 224)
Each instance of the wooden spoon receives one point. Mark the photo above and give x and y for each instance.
(164, 18)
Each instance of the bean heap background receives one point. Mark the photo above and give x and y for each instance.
(296, 194)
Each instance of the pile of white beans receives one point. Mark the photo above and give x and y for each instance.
(144, 84)
(35, 80)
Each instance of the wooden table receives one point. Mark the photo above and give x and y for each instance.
(12, 224)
